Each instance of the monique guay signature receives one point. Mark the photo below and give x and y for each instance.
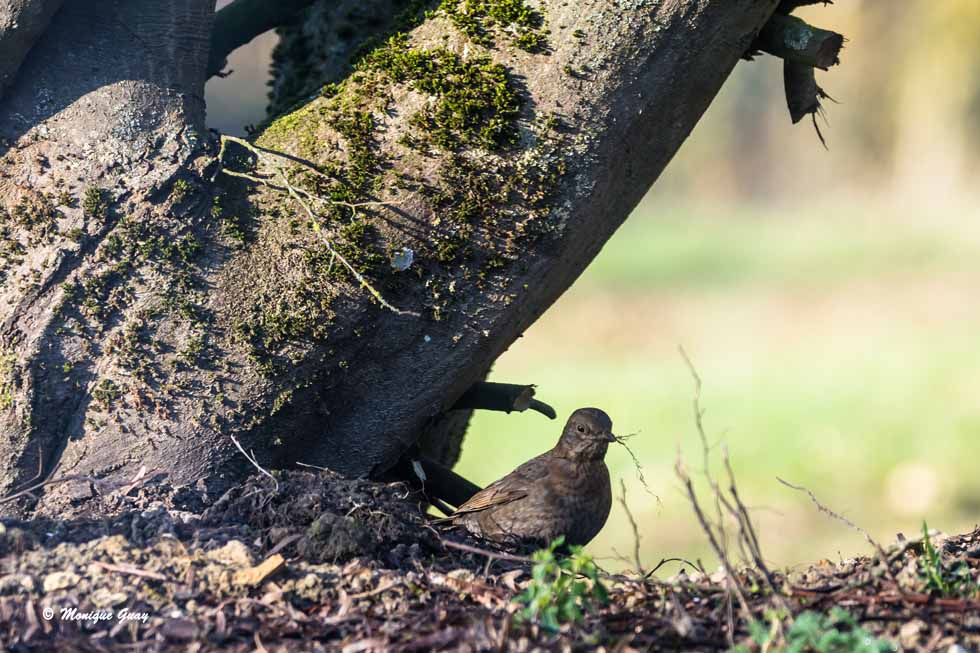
(73, 614)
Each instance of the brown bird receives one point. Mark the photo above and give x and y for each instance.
(564, 491)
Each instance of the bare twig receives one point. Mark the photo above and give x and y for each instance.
(48, 482)
(716, 545)
(698, 411)
(130, 570)
(664, 561)
(255, 463)
(638, 564)
(284, 542)
(254, 178)
(847, 522)
(494, 555)
(382, 587)
(747, 533)
(322, 469)
(729, 505)
(636, 464)
(827, 511)
(40, 465)
(141, 477)
(943, 603)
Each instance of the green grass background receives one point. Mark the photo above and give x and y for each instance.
(839, 349)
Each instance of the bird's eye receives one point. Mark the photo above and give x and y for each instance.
(581, 429)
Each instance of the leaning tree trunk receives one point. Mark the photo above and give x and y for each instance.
(325, 294)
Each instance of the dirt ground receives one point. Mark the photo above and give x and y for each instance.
(321, 563)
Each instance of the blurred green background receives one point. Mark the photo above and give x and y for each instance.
(829, 299)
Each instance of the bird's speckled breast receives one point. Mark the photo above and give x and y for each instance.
(588, 504)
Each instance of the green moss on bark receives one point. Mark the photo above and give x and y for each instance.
(478, 191)
(106, 393)
(95, 204)
(8, 365)
(357, 128)
(476, 103)
(482, 20)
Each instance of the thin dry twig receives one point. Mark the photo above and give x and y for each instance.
(322, 469)
(494, 555)
(283, 543)
(718, 538)
(847, 522)
(638, 564)
(827, 511)
(383, 586)
(747, 532)
(130, 570)
(255, 463)
(719, 550)
(698, 411)
(664, 561)
(141, 476)
(40, 467)
(48, 482)
(636, 464)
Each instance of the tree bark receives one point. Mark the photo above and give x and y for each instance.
(334, 291)
(21, 23)
(319, 48)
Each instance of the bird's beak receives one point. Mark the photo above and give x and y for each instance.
(611, 437)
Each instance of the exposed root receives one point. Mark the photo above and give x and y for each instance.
(265, 156)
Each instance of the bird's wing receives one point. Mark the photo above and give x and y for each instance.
(512, 487)
(490, 496)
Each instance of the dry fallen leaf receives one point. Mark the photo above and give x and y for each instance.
(255, 575)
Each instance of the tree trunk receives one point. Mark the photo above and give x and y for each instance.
(330, 308)
(21, 23)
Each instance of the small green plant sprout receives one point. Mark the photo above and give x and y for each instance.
(106, 393)
(95, 204)
(180, 190)
(953, 580)
(812, 632)
(8, 363)
(66, 199)
(562, 589)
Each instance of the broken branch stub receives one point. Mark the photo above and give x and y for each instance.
(505, 397)
(803, 94)
(802, 47)
(793, 39)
